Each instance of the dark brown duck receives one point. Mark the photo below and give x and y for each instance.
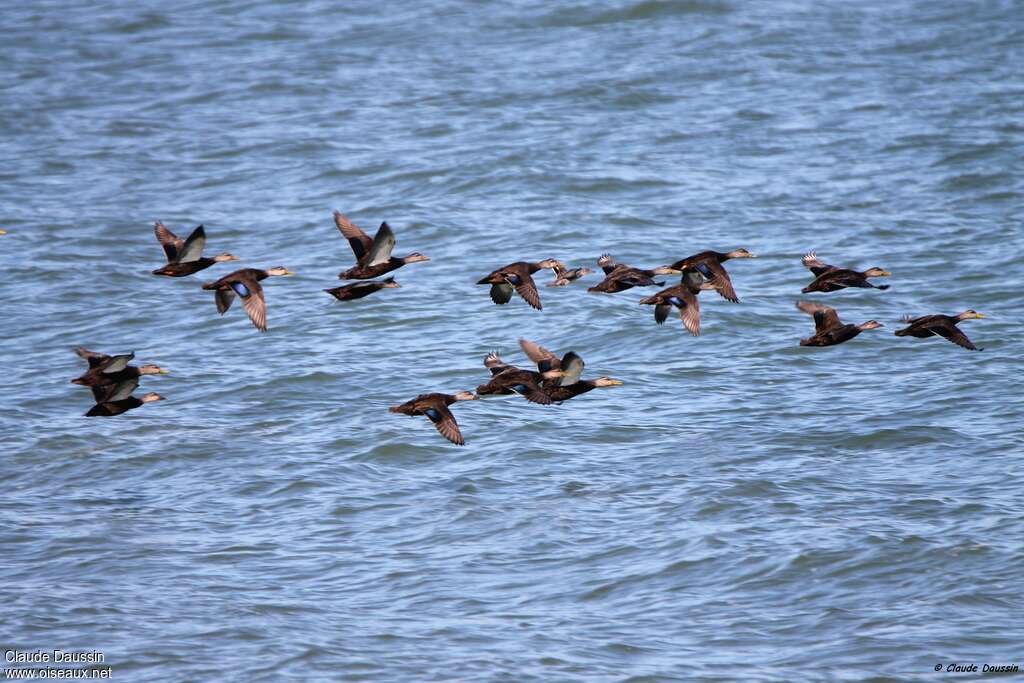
(111, 408)
(828, 278)
(618, 277)
(185, 257)
(357, 290)
(517, 276)
(709, 265)
(942, 325)
(373, 257)
(435, 408)
(828, 329)
(569, 385)
(246, 284)
(508, 379)
(684, 298)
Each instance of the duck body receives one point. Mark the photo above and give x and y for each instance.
(517, 277)
(117, 407)
(184, 257)
(708, 264)
(565, 276)
(358, 290)
(435, 408)
(245, 283)
(829, 278)
(940, 325)
(684, 298)
(829, 330)
(618, 277)
(373, 257)
(508, 379)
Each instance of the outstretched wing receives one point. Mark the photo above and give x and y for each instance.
(117, 363)
(495, 364)
(445, 423)
(223, 298)
(811, 262)
(572, 366)
(723, 285)
(383, 244)
(193, 248)
(953, 334)
(169, 241)
(357, 239)
(94, 359)
(253, 301)
(825, 317)
(689, 313)
(529, 390)
(115, 392)
(501, 294)
(528, 290)
(544, 359)
(661, 312)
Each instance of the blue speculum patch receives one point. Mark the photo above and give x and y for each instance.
(240, 289)
(433, 414)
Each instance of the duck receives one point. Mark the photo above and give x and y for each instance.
(185, 257)
(618, 277)
(246, 284)
(684, 297)
(829, 278)
(565, 276)
(112, 375)
(828, 329)
(709, 265)
(111, 408)
(517, 276)
(941, 325)
(435, 408)
(508, 379)
(568, 385)
(373, 257)
(357, 290)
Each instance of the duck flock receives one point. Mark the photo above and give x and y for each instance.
(113, 380)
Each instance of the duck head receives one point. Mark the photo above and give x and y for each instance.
(740, 253)
(152, 370)
(876, 272)
(279, 270)
(870, 325)
(220, 258)
(465, 396)
(607, 382)
(151, 397)
(970, 314)
(415, 257)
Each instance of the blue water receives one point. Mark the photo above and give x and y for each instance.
(741, 508)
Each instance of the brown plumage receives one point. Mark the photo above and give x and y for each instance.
(111, 408)
(508, 379)
(942, 325)
(111, 377)
(373, 257)
(618, 277)
(709, 265)
(517, 276)
(684, 297)
(564, 276)
(357, 290)
(828, 329)
(829, 278)
(246, 284)
(435, 408)
(185, 257)
(569, 385)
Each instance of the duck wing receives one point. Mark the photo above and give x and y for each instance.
(192, 250)
(544, 359)
(169, 241)
(116, 363)
(357, 239)
(572, 366)
(381, 247)
(115, 392)
(523, 283)
(661, 312)
(825, 317)
(953, 334)
(251, 293)
(494, 363)
(527, 388)
(501, 294)
(811, 263)
(444, 421)
(93, 358)
(689, 312)
(713, 270)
